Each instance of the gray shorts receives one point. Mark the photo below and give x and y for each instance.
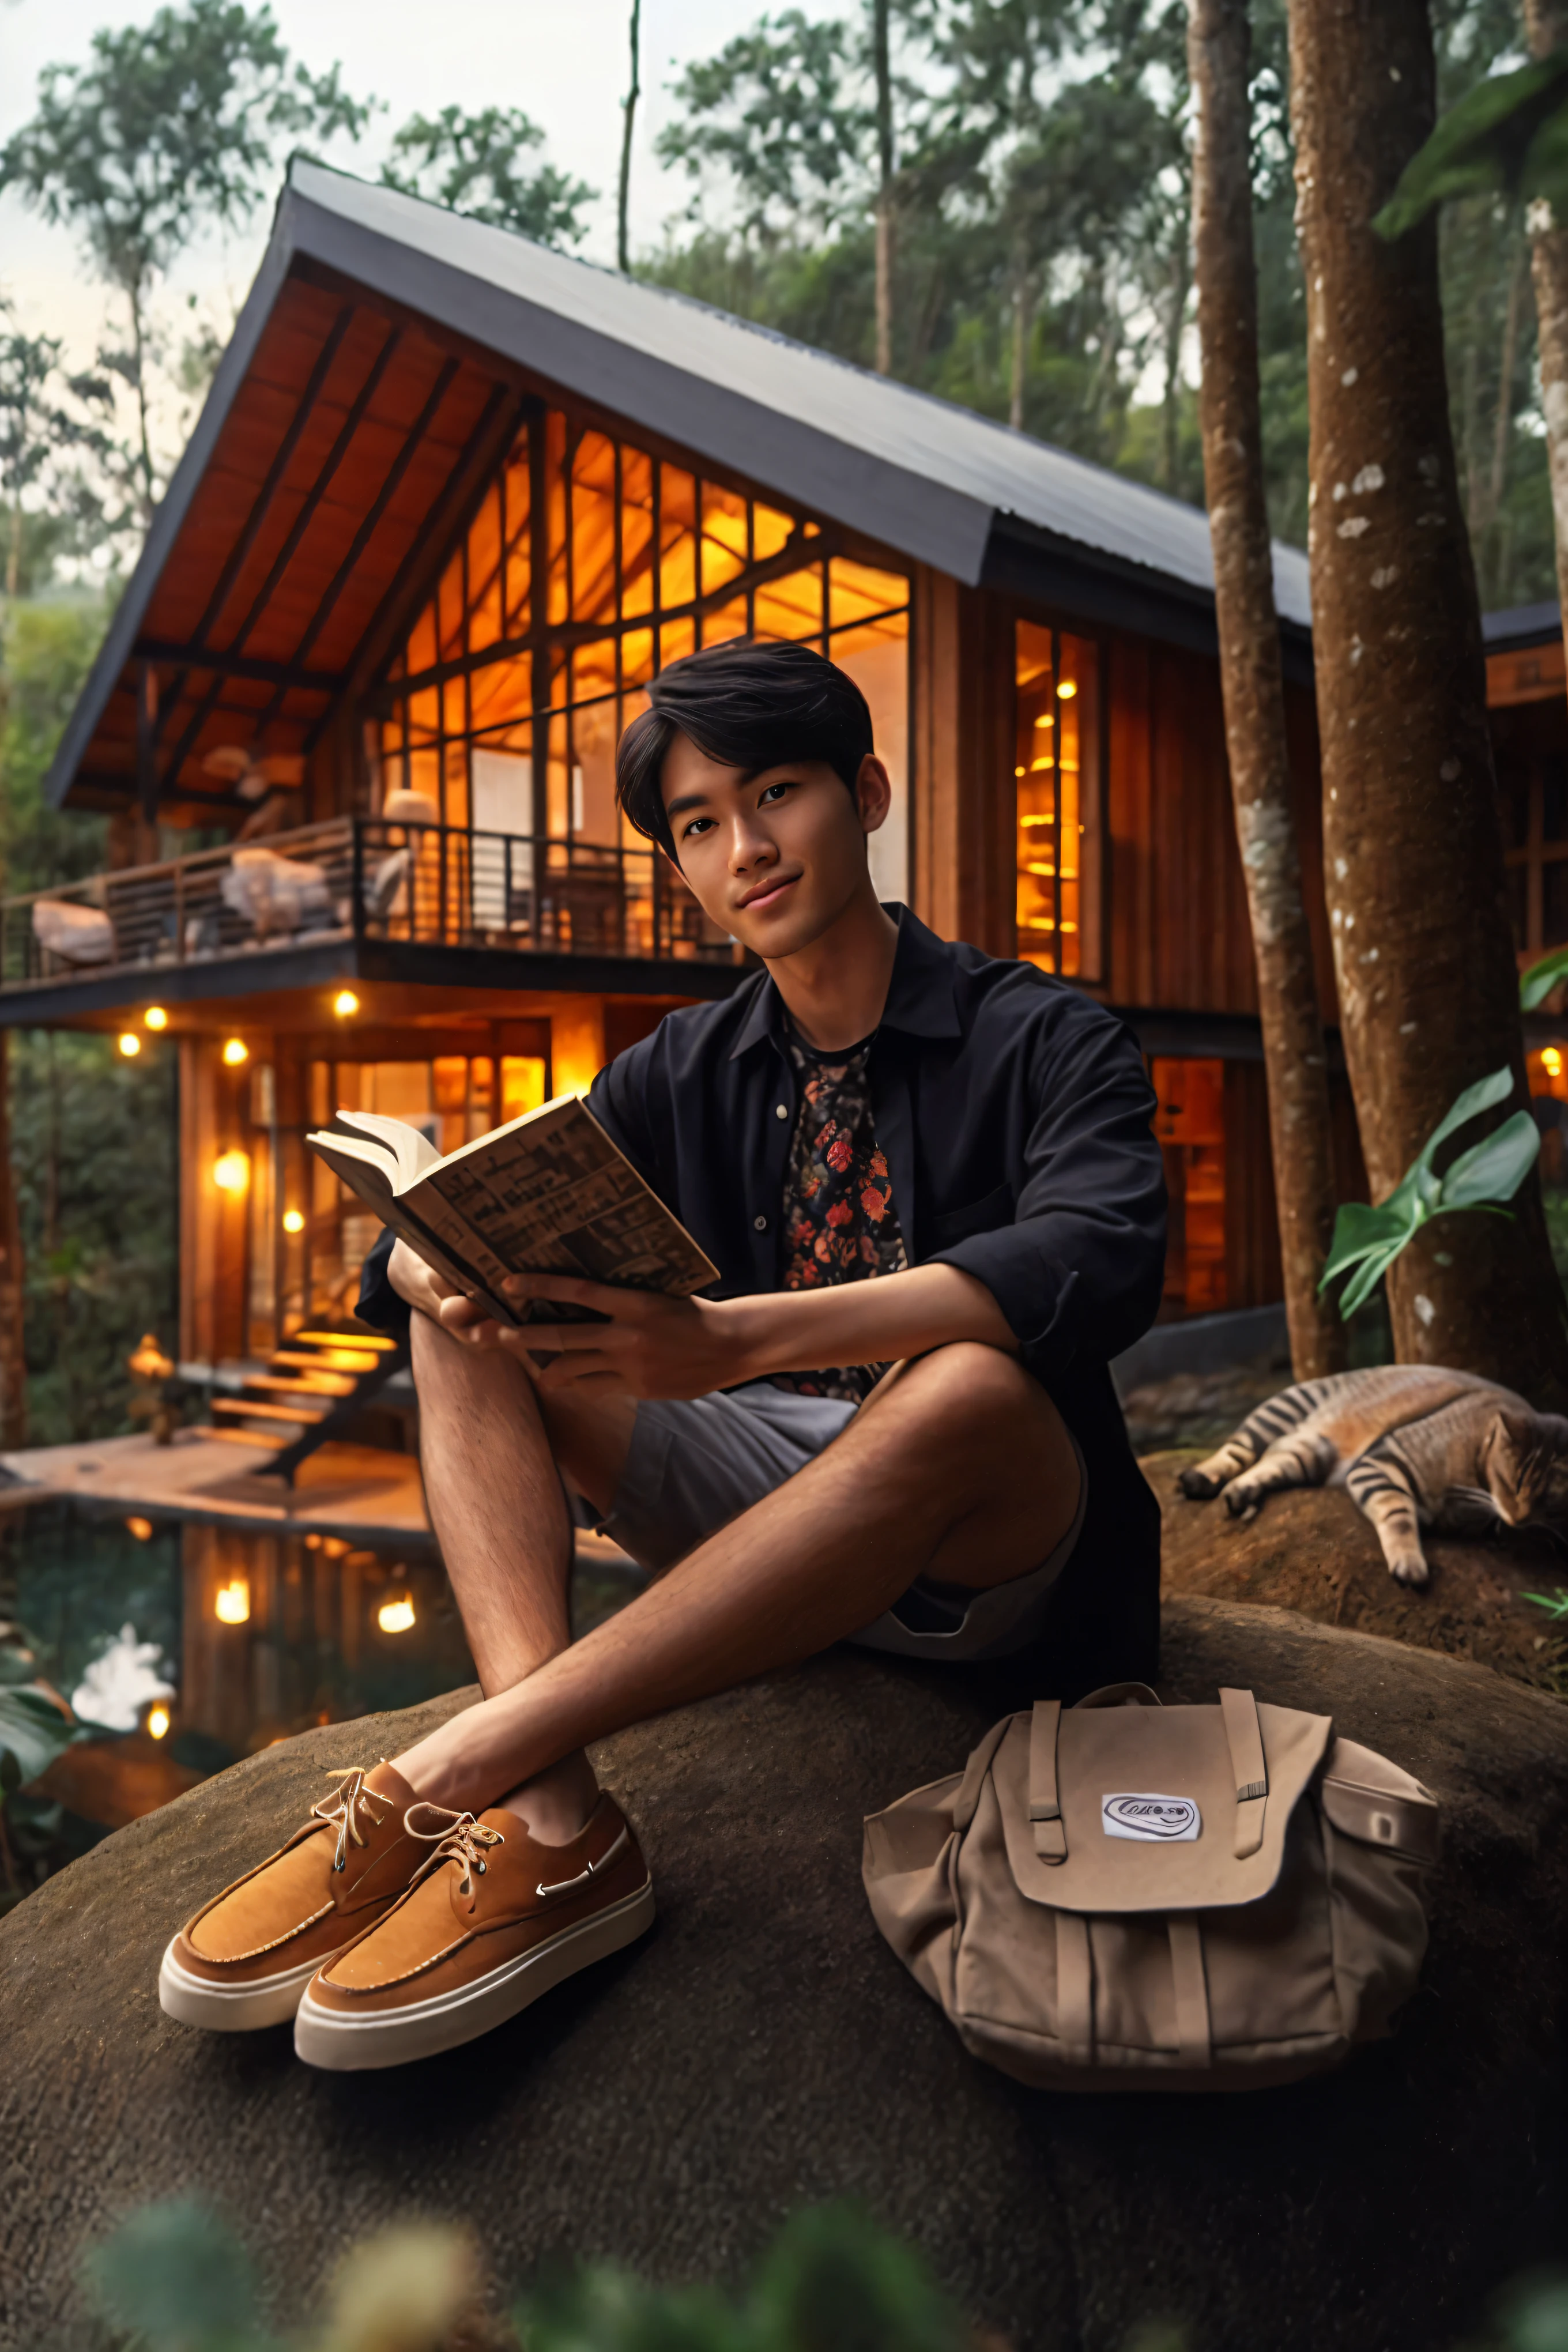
(695, 1464)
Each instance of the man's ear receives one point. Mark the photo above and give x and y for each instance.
(873, 793)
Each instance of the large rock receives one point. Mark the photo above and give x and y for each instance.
(1310, 1550)
(763, 2048)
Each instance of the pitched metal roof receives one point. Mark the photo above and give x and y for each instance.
(918, 473)
(375, 374)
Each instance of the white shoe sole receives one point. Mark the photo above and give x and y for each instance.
(343, 2042)
(231, 2008)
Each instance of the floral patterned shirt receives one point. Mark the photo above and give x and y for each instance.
(840, 1224)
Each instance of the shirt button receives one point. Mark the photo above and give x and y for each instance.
(761, 1224)
(781, 1111)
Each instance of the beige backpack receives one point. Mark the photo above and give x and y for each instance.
(1121, 1895)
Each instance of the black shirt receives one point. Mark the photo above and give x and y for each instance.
(1014, 1115)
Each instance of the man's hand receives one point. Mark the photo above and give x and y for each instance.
(651, 1346)
(425, 1292)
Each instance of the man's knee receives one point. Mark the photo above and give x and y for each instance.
(970, 1389)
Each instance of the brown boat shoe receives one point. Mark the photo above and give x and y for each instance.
(492, 1920)
(245, 1958)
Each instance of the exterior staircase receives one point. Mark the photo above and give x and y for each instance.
(309, 1391)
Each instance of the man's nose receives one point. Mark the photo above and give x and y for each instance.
(749, 848)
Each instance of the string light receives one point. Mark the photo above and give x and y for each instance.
(345, 1005)
(1067, 689)
(395, 1616)
(154, 1017)
(158, 1722)
(235, 1051)
(130, 1044)
(1551, 1062)
(231, 1604)
(231, 1172)
(293, 1220)
(141, 1528)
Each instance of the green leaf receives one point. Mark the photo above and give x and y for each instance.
(1360, 1287)
(1485, 1095)
(1485, 142)
(1536, 984)
(1495, 1170)
(1555, 1604)
(177, 2276)
(1358, 1231)
(33, 1732)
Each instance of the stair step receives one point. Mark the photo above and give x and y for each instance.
(333, 1359)
(322, 1384)
(246, 1411)
(235, 1436)
(372, 1340)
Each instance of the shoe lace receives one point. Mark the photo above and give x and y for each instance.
(350, 1810)
(454, 1837)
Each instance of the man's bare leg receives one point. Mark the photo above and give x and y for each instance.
(962, 1469)
(493, 1487)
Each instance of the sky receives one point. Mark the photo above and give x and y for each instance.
(563, 61)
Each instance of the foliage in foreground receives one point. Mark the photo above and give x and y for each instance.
(174, 2278)
(1489, 1172)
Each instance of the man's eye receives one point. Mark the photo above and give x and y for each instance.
(773, 793)
(698, 826)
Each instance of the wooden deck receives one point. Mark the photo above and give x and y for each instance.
(359, 1492)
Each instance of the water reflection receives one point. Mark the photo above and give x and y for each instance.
(192, 1644)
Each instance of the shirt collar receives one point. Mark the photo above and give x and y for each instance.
(920, 993)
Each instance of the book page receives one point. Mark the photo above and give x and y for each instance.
(410, 1147)
(559, 1198)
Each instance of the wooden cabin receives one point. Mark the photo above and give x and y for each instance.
(453, 501)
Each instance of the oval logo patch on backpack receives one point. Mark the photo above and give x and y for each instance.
(1157, 1820)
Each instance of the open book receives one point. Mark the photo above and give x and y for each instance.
(547, 1193)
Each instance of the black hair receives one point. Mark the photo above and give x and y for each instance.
(749, 706)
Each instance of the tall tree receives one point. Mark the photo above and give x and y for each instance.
(47, 421)
(628, 111)
(474, 164)
(171, 127)
(887, 166)
(1546, 29)
(1231, 409)
(1412, 849)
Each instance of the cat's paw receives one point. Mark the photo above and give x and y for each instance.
(1240, 1502)
(1412, 1572)
(1198, 1484)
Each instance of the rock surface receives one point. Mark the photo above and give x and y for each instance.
(763, 2048)
(1310, 1550)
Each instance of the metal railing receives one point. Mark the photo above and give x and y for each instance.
(359, 878)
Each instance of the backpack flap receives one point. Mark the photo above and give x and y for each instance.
(1153, 1808)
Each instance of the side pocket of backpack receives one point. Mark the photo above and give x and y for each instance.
(907, 1870)
(1378, 1918)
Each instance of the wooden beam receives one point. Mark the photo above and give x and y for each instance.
(265, 673)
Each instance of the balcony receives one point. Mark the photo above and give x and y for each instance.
(396, 898)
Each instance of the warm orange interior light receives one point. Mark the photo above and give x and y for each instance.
(293, 1220)
(130, 1044)
(395, 1616)
(141, 1528)
(158, 1722)
(1551, 1061)
(235, 1051)
(1067, 689)
(231, 1171)
(154, 1017)
(231, 1605)
(345, 1005)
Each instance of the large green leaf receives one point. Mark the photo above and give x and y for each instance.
(1536, 984)
(1360, 1287)
(1495, 1170)
(1504, 136)
(33, 1731)
(1359, 1232)
(1485, 1095)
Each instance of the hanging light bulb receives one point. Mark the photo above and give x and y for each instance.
(231, 1606)
(235, 1051)
(154, 1017)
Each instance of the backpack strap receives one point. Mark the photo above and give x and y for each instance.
(1239, 1711)
(1044, 1802)
(1194, 2035)
(974, 1771)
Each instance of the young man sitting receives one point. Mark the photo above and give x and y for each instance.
(931, 1173)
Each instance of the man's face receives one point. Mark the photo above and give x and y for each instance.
(774, 858)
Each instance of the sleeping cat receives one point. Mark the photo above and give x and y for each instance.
(1412, 1445)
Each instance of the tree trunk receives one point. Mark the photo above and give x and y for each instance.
(13, 1333)
(886, 165)
(1175, 324)
(1293, 1054)
(629, 108)
(1545, 26)
(1412, 842)
(1020, 330)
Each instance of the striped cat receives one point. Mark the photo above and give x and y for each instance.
(1412, 1445)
